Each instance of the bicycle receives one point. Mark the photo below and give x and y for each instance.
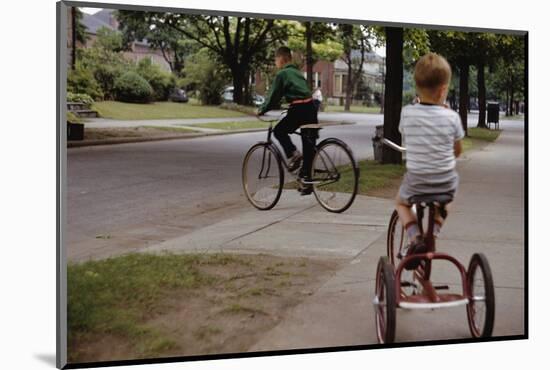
(398, 288)
(333, 167)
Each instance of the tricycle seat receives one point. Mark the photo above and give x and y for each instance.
(442, 198)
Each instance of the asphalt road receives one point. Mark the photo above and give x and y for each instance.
(114, 187)
(153, 187)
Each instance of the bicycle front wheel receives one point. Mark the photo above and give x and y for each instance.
(262, 176)
(334, 175)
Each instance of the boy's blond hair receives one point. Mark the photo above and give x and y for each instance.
(431, 72)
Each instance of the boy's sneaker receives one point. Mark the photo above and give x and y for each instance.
(295, 161)
(306, 189)
(417, 246)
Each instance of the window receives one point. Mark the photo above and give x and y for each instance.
(340, 81)
(337, 84)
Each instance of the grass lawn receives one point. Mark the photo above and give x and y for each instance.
(376, 179)
(237, 125)
(516, 117)
(353, 109)
(160, 110)
(149, 305)
(134, 132)
(373, 178)
(479, 135)
(170, 129)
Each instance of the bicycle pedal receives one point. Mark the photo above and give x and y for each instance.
(441, 287)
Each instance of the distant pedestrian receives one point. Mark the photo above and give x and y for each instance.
(317, 98)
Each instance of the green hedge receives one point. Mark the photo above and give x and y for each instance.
(132, 88)
(161, 81)
(82, 81)
(79, 98)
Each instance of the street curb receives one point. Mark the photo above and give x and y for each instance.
(80, 144)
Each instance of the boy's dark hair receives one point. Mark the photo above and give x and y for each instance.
(284, 52)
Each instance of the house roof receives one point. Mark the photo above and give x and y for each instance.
(93, 22)
(369, 56)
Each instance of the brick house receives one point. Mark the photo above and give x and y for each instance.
(139, 49)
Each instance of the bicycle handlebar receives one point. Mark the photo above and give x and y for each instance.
(271, 120)
(393, 145)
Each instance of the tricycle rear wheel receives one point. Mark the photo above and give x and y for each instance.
(481, 306)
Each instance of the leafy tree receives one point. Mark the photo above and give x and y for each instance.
(80, 28)
(511, 70)
(457, 48)
(78, 32)
(109, 39)
(235, 42)
(105, 61)
(355, 38)
(204, 74)
(137, 25)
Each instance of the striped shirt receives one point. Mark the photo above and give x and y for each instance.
(429, 133)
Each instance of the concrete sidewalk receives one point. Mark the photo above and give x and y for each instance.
(178, 122)
(487, 217)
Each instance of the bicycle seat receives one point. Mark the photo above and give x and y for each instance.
(442, 198)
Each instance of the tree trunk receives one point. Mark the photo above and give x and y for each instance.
(238, 83)
(507, 102)
(463, 92)
(349, 86)
(481, 95)
(393, 98)
(309, 56)
(73, 38)
(246, 89)
(512, 97)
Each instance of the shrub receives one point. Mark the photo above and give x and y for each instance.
(73, 118)
(105, 65)
(132, 88)
(161, 81)
(80, 98)
(207, 76)
(82, 81)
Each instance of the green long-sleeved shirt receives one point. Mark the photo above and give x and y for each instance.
(290, 84)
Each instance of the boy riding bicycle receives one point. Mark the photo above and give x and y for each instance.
(433, 135)
(290, 83)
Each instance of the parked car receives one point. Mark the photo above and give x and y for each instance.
(179, 96)
(227, 96)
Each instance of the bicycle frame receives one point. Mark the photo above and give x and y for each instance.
(278, 152)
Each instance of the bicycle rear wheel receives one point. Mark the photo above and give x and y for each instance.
(262, 176)
(334, 175)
